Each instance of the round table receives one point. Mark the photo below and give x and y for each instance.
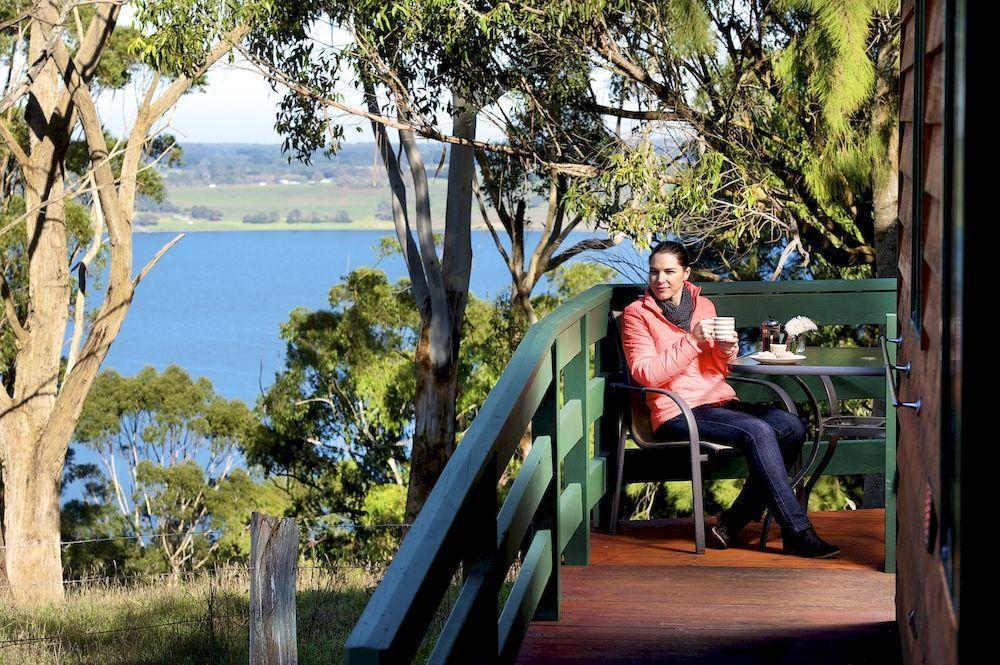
(823, 362)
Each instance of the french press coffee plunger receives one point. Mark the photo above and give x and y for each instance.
(770, 333)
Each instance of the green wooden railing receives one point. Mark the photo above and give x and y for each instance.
(547, 512)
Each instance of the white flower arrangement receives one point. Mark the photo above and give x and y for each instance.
(798, 325)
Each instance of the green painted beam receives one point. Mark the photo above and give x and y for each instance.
(570, 426)
(595, 398)
(596, 322)
(848, 387)
(400, 610)
(825, 301)
(568, 345)
(571, 513)
(832, 308)
(808, 286)
(575, 429)
(597, 484)
(523, 499)
(453, 633)
(520, 607)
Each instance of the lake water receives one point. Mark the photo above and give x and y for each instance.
(214, 302)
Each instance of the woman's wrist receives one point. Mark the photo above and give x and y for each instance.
(695, 342)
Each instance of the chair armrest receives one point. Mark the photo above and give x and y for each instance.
(778, 390)
(694, 438)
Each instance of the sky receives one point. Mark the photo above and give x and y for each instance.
(237, 106)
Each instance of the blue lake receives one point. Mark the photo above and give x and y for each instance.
(214, 302)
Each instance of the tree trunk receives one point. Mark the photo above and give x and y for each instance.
(434, 431)
(886, 207)
(32, 458)
(31, 524)
(39, 409)
(522, 299)
(437, 354)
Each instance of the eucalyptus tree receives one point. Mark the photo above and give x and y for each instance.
(169, 450)
(409, 61)
(783, 113)
(58, 52)
(333, 423)
(540, 115)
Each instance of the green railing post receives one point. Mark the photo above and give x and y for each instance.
(891, 330)
(480, 552)
(577, 550)
(608, 427)
(544, 423)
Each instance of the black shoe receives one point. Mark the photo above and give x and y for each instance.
(718, 536)
(808, 544)
(724, 531)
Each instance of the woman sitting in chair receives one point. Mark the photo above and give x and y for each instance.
(667, 347)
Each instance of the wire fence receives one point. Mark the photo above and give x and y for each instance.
(192, 532)
(106, 615)
(202, 614)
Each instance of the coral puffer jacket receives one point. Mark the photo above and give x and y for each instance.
(660, 354)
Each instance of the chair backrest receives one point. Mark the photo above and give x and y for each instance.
(638, 417)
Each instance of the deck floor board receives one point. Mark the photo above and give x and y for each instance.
(647, 598)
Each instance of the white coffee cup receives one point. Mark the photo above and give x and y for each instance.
(779, 348)
(725, 327)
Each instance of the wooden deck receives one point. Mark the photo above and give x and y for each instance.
(647, 598)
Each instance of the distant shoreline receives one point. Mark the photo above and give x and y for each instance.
(309, 207)
(240, 227)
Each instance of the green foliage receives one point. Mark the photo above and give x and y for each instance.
(572, 279)
(174, 36)
(770, 122)
(380, 530)
(830, 73)
(167, 445)
(334, 422)
(334, 418)
(430, 46)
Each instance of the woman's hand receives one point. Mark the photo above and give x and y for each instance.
(702, 336)
(726, 345)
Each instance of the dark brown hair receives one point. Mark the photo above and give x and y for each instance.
(672, 247)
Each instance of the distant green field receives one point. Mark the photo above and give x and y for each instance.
(237, 201)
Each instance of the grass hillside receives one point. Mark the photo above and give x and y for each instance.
(235, 202)
(201, 619)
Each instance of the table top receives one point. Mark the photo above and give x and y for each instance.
(820, 361)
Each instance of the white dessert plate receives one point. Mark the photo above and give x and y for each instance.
(787, 360)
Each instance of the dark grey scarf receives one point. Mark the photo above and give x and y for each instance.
(679, 315)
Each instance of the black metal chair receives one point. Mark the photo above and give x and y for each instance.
(636, 422)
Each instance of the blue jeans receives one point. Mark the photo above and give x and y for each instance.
(771, 439)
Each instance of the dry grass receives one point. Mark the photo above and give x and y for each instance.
(200, 619)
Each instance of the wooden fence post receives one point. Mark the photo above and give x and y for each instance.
(274, 553)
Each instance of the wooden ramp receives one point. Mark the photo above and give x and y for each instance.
(647, 598)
